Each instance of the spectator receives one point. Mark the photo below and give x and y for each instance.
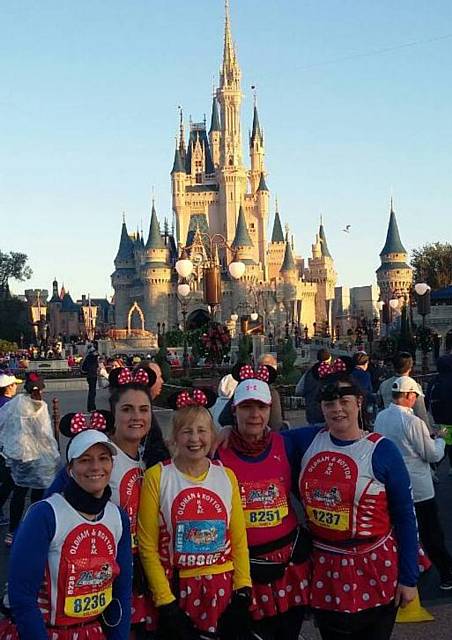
(411, 436)
(309, 386)
(439, 395)
(89, 368)
(8, 387)
(226, 388)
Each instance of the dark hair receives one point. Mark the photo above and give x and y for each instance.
(117, 392)
(323, 354)
(402, 362)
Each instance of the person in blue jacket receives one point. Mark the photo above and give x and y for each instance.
(70, 571)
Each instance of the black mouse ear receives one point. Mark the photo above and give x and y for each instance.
(171, 400)
(235, 373)
(272, 372)
(65, 424)
(113, 377)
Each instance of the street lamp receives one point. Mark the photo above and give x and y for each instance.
(211, 269)
(422, 291)
(182, 295)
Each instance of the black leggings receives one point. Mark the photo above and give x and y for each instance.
(285, 626)
(17, 504)
(372, 624)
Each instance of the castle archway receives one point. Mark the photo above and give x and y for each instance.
(135, 318)
(197, 319)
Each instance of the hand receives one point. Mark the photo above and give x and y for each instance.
(404, 595)
(236, 617)
(442, 433)
(222, 440)
(174, 623)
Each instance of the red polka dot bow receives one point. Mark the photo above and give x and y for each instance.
(79, 422)
(197, 399)
(127, 377)
(247, 372)
(325, 368)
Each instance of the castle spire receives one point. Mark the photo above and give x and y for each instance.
(393, 243)
(256, 131)
(229, 59)
(181, 133)
(155, 240)
(288, 262)
(277, 234)
(323, 242)
(242, 237)
(215, 120)
(125, 251)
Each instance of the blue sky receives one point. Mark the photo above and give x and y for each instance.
(354, 97)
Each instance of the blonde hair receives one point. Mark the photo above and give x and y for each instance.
(186, 415)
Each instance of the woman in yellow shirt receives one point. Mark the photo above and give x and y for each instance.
(191, 533)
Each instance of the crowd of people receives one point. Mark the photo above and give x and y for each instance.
(236, 527)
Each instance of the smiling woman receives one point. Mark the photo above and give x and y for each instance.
(191, 526)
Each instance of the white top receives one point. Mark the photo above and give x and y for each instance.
(411, 435)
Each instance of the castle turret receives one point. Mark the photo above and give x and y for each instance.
(394, 276)
(155, 275)
(276, 248)
(321, 271)
(215, 133)
(178, 181)
(123, 276)
(256, 153)
(242, 240)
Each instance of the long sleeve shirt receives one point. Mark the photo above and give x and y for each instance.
(149, 534)
(412, 438)
(27, 567)
(389, 468)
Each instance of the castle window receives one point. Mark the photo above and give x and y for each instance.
(198, 178)
(252, 225)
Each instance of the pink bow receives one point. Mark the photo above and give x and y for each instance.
(325, 368)
(198, 399)
(247, 372)
(139, 377)
(96, 421)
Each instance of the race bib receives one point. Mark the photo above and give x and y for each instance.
(328, 519)
(264, 503)
(87, 606)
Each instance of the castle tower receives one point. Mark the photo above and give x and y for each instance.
(394, 276)
(257, 152)
(276, 248)
(156, 276)
(123, 276)
(215, 133)
(321, 271)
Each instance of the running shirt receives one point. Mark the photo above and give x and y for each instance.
(125, 483)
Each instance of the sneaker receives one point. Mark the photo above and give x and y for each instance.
(446, 584)
(9, 538)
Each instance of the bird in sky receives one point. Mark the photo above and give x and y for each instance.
(347, 229)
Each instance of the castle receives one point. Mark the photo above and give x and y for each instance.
(214, 192)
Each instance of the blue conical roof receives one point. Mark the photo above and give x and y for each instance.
(323, 242)
(277, 234)
(125, 251)
(393, 243)
(288, 262)
(155, 240)
(215, 121)
(242, 236)
(262, 184)
(256, 131)
(178, 164)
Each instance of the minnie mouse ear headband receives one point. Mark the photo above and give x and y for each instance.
(121, 376)
(85, 430)
(263, 372)
(192, 398)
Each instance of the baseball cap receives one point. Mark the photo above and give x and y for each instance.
(86, 439)
(252, 389)
(6, 379)
(405, 384)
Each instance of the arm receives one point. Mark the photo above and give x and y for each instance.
(239, 544)
(148, 537)
(429, 450)
(26, 570)
(276, 418)
(122, 586)
(389, 468)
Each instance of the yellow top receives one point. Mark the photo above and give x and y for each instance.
(148, 539)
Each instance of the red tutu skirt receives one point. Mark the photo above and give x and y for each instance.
(204, 598)
(89, 631)
(291, 590)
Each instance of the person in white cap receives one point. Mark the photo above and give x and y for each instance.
(71, 562)
(280, 570)
(8, 387)
(419, 449)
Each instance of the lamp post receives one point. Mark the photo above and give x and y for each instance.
(183, 296)
(422, 291)
(211, 269)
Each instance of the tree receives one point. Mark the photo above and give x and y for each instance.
(432, 264)
(14, 322)
(12, 266)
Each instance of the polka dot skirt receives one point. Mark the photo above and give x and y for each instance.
(204, 598)
(284, 593)
(144, 610)
(354, 581)
(92, 631)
